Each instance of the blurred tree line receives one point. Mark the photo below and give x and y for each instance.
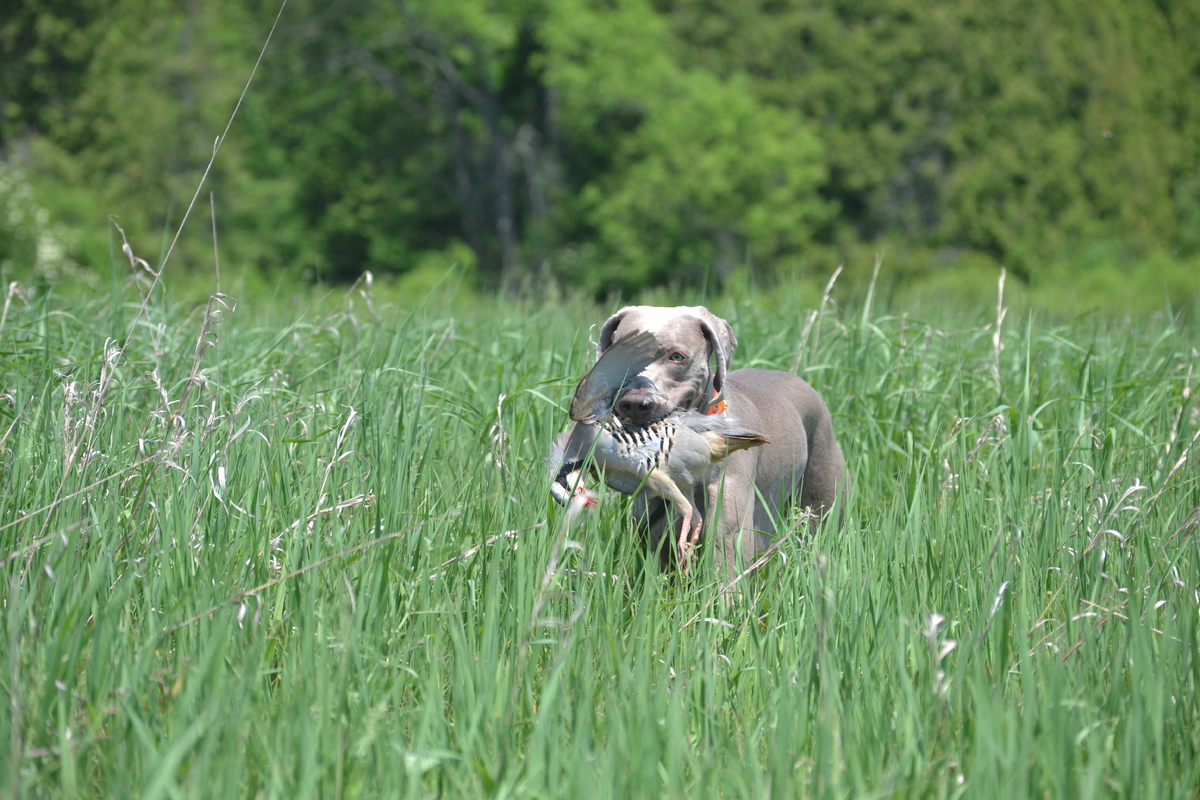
(608, 144)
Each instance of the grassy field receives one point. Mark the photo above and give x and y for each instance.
(292, 548)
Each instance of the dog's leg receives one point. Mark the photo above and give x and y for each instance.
(825, 480)
(735, 531)
(712, 497)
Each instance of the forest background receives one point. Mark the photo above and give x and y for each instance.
(612, 146)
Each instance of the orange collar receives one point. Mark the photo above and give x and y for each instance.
(717, 409)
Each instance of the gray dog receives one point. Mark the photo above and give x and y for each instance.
(802, 461)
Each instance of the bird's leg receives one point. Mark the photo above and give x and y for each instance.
(688, 539)
(661, 485)
(689, 511)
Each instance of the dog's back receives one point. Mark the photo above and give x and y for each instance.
(803, 454)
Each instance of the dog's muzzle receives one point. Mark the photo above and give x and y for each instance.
(642, 403)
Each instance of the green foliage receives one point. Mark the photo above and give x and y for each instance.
(1019, 130)
(47, 47)
(398, 128)
(153, 96)
(31, 243)
(301, 547)
(713, 180)
(701, 178)
(612, 146)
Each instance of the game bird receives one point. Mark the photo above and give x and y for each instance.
(670, 457)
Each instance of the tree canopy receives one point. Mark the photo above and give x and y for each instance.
(611, 144)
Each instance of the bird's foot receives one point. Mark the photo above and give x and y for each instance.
(689, 537)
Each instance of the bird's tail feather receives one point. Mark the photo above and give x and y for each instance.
(730, 441)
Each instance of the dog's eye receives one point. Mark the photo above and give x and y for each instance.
(677, 358)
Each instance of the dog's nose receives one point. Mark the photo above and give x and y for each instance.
(628, 405)
(641, 406)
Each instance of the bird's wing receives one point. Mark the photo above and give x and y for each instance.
(624, 359)
(723, 426)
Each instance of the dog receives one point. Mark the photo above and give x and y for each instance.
(801, 464)
(669, 457)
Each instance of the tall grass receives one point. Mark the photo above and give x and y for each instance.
(281, 549)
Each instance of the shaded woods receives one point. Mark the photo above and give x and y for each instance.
(610, 146)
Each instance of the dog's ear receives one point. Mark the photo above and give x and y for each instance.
(607, 330)
(722, 343)
(724, 332)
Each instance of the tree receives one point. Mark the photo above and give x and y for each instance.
(612, 144)
(681, 173)
(530, 130)
(47, 47)
(1015, 129)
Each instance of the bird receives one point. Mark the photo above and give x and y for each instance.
(670, 456)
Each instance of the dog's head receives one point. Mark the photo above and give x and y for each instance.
(696, 348)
